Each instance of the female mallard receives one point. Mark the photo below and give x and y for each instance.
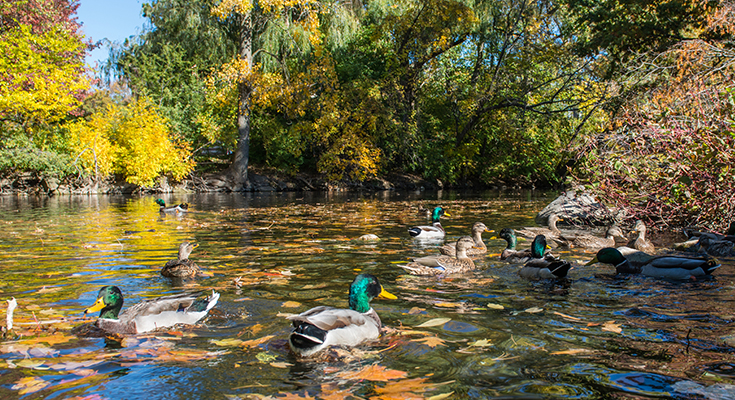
(478, 249)
(321, 327)
(172, 209)
(640, 242)
(441, 264)
(552, 232)
(435, 231)
(592, 242)
(510, 254)
(543, 267)
(183, 267)
(671, 267)
(148, 315)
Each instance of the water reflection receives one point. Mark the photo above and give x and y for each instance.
(595, 335)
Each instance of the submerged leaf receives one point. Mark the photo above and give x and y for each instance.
(373, 372)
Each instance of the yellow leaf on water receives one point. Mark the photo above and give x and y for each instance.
(440, 396)
(611, 326)
(281, 364)
(227, 342)
(434, 322)
(431, 341)
(533, 310)
(29, 384)
(291, 304)
(567, 316)
(495, 306)
(448, 304)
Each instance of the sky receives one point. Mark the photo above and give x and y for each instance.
(114, 20)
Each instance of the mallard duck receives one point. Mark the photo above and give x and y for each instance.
(424, 212)
(510, 253)
(592, 242)
(640, 242)
(671, 267)
(148, 315)
(551, 232)
(635, 257)
(182, 267)
(714, 246)
(546, 267)
(316, 329)
(435, 231)
(478, 249)
(172, 209)
(441, 264)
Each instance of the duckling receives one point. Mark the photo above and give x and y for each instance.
(435, 231)
(162, 312)
(182, 267)
(317, 329)
(180, 208)
(552, 232)
(478, 249)
(592, 242)
(640, 242)
(671, 267)
(441, 264)
(546, 267)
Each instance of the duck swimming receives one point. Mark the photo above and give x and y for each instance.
(182, 267)
(443, 265)
(149, 315)
(546, 266)
(179, 208)
(433, 231)
(321, 327)
(478, 249)
(671, 267)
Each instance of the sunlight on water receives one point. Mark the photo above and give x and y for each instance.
(485, 334)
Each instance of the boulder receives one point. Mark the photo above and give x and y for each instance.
(577, 207)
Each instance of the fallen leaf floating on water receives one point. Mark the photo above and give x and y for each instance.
(414, 388)
(567, 316)
(431, 341)
(416, 310)
(29, 385)
(291, 304)
(373, 372)
(611, 326)
(227, 342)
(533, 310)
(434, 322)
(570, 352)
(256, 342)
(495, 306)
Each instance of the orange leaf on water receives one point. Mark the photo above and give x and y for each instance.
(431, 341)
(29, 384)
(373, 372)
(256, 342)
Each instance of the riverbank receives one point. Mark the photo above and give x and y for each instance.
(259, 180)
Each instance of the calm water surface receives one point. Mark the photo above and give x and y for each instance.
(594, 336)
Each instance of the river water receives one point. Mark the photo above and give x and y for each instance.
(486, 334)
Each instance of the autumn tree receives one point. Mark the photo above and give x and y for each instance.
(42, 75)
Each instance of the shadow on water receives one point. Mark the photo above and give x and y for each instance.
(487, 334)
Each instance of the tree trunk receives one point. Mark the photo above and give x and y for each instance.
(238, 172)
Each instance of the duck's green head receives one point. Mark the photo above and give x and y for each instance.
(608, 255)
(510, 236)
(538, 246)
(109, 302)
(438, 212)
(160, 202)
(364, 288)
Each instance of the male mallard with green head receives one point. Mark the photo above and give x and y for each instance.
(172, 209)
(478, 249)
(182, 267)
(670, 267)
(317, 329)
(510, 254)
(148, 315)
(545, 267)
(435, 231)
(444, 265)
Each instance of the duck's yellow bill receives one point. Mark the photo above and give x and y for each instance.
(447, 214)
(593, 261)
(98, 305)
(385, 295)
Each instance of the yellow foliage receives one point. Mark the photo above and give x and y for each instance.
(132, 141)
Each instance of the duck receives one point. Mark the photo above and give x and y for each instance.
(670, 267)
(321, 327)
(179, 208)
(592, 242)
(714, 246)
(550, 232)
(149, 315)
(511, 254)
(546, 267)
(478, 249)
(433, 231)
(424, 212)
(640, 242)
(443, 264)
(182, 267)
